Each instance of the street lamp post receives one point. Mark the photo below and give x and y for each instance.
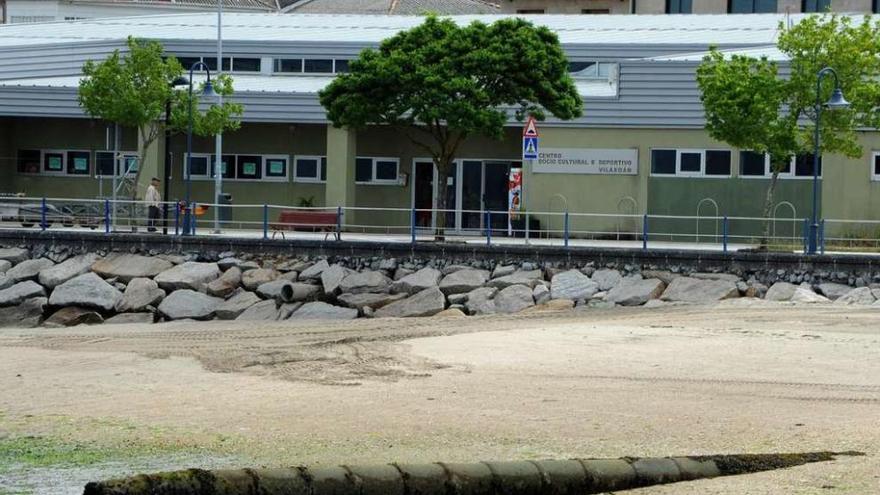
(218, 145)
(207, 91)
(166, 186)
(837, 101)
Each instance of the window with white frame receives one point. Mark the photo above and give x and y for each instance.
(310, 169)
(233, 64)
(105, 164)
(306, 65)
(376, 170)
(875, 165)
(690, 162)
(757, 165)
(591, 69)
(241, 167)
(197, 166)
(54, 162)
(73, 163)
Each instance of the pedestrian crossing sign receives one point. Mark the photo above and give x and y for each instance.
(530, 148)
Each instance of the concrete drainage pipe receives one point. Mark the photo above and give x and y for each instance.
(580, 476)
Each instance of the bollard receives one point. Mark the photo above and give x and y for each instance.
(265, 222)
(338, 223)
(822, 236)
(106, 216)
(412, 226)
(724, 233)
(565, 229)
(488, 228)
(645, 232)
(43, 224)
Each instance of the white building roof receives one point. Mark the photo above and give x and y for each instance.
(770, 52)
(753, 29)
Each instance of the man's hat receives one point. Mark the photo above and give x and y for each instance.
(156, 179)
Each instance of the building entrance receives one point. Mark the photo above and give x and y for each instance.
(473, 187)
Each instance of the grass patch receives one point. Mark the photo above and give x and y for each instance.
(34, 452)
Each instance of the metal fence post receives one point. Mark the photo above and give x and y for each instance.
(806, 232)
(527, 227)
(822, 236)
(565, 229)
(645, 231)
(412, 226)
(338, 223)
(488, 228)
(43, 225)
(724, 233)
(192, 219)
(177, 219)
(106, 216)
(265, 222)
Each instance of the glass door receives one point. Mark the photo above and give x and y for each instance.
(471, 196)
(495, 193)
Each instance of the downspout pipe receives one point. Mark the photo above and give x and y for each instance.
(561, 477)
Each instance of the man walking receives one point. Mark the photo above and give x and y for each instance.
(153, 200)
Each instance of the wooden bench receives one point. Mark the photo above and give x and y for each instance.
(326, 221)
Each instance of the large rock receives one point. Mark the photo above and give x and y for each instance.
(551, 306)
(373, 301)
(425, 303)
(87, 290)
(322, 311)
(514, 299)
(479, 301)
(572, 284)
(425, 278)
(780, 291)
(451, 313)
(252, 279)
(666, 276)
(17, 293)
(806, 295)
(834, 291)
(226, 284)
(861, 296)
(140, 293)
(331, 277)
(5, 265)
(541, 293)
(503, 270)
(27, 314)
(531, 278)
(190, 275)
(130, 266)
(232, 262)
(314, 272)
(261, 311)
(716, 276)
(28, 269)
(606, 278)
(187, 303)
(634, 291)
(131, 319)
(5, 282)
(360, 283)
(236, 305)
(464, 280)
(288, 309)
(62, 272)
(14, 255)
(695, 290)
(72, 316)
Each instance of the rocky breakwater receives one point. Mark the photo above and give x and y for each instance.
(66, 288)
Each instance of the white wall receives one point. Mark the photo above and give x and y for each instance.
(56, 10)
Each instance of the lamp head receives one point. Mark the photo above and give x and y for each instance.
(837, 101)
(208, 91)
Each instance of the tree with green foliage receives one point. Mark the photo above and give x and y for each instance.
(749, 104)
(132, 90)
(440, 83)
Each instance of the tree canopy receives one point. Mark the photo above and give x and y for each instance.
(439, 83)
(132, 90)
(754, 104)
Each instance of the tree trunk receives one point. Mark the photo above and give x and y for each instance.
(768, 207)
(444, 167)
